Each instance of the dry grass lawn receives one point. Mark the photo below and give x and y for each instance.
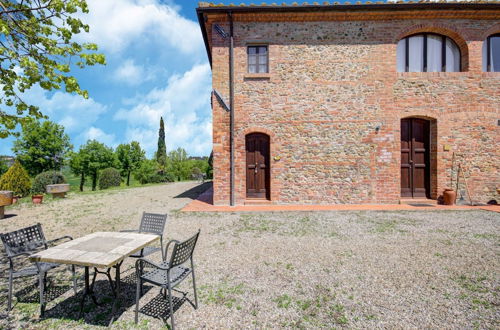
(267, 270)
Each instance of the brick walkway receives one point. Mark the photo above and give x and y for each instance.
(204, 203)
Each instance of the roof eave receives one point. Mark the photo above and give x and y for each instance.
(201, 21)
(336, 7)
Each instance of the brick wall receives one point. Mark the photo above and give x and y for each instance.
(330, 85)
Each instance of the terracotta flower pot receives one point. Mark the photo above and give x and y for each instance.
(15, 199)
(449, 197)
(37, 199)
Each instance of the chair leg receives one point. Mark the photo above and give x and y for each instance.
(9, 301)
(41, 282)
(194, 289)
(171, 307)
(73, 273)
(141, 267)
(138, 292)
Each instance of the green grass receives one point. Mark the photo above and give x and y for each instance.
(74, 182)
(283, 301)
(322, 311)
(224, 293)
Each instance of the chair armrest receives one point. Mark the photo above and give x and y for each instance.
(26, 254)
(168, 245)
(129, 231)
(59, 239)
(12, 257)
(140, 262)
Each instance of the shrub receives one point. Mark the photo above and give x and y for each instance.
(3, 167)
(162, 177)
(110, 177)
(45, 178)
(146, 172)
(168, 177)
(16, 179)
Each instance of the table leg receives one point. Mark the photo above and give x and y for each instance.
(89, 291)
(108, 274)
(117, 292)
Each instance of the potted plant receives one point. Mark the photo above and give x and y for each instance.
(36, 196)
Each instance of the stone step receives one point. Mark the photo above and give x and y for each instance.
(257, 201)
(412, 201)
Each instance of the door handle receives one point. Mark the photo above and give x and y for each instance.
(256, 168)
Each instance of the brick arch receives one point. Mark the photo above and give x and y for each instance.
(256, 129)
(492, 30)
(451, 32)
(419, 115)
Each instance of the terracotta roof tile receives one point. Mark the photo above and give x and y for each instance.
(204, 4)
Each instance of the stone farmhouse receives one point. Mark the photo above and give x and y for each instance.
(341, 103)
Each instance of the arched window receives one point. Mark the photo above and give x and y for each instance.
(491, 53)
(427, 52)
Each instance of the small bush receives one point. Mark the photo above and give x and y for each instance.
(45, 178)
(146, 172)
(3, 167)
(110, 177)
(168, 177)
(16, 179)
(162, 177)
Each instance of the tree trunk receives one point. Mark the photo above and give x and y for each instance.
(128, 178)
(82, 181)
(94, 181)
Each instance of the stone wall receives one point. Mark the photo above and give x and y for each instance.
(330, 85)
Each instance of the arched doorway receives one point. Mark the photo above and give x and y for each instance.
(415, 158)
(257, 166)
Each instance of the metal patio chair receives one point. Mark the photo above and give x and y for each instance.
(151, 223)
(24, 242)
(168, 274)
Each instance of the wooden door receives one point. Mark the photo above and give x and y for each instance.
(415, 158)
(257, 167)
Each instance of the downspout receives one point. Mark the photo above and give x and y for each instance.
(231, 106)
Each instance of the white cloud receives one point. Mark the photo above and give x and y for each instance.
(132, 74)
(72, 111)
(184, 105)
(115, 24)
(94, 133)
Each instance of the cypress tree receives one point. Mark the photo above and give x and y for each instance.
(161, 153)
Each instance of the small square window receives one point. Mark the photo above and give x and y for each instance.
(258, 59)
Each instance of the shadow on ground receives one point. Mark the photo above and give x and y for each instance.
(68, 307)
(194, 192)
(6, 216)
(99, 315)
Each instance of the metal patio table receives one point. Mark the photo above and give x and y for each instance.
(98, 250)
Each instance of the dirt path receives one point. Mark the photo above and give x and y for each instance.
(355, 269)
